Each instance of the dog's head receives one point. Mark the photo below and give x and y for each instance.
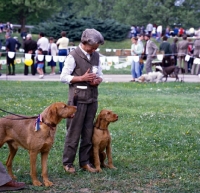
(59, 110)
(141, 78)
(159, 68)
(106, 116)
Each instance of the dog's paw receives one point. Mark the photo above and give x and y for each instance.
(99, 169)
(48, 183)
(112, 167)
(37, 183)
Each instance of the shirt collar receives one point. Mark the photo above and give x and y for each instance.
(87, 55)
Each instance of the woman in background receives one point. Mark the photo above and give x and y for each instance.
(136, 50)
(62, 44)
(53, 52)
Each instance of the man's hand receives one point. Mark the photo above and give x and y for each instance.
(96, 81)
(88, 76)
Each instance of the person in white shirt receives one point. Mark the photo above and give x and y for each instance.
(136, 50)
(53, 52)
(62, 44)
(43, 43)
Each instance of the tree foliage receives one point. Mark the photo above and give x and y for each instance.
(110, 29)
(141, 12)
(21, 11)
(137, 12)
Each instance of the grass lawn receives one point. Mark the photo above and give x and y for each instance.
(155, 142)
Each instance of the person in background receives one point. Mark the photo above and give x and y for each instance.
(62, 44)
(0, 56)
(53, 52)
(190, 53)
(83, 93)
(6, 182)
(196, 54)
(182, 49)
(140, 41)
(23, 35)
(176, 30)
(149, 29)
(165, 47)
(40, 64)
(30, 46)
(136, 50)
(174, 50)
(159, 33)
(150, 51)
(12, 45)
(43, 43)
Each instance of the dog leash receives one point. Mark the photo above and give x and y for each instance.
(22, 117)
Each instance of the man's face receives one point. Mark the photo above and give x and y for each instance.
(146, 38)
(90, 48)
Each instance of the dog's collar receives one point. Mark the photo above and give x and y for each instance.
(100, 128)
(49, 124)
(39, 120)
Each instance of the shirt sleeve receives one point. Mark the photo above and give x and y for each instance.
(67, 70)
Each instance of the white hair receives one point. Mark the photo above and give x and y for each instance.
(29, 36)
(91, 37)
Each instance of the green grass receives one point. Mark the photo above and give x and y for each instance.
(155, 142)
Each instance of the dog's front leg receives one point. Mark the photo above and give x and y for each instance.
(109, 155)
(33, 172)
(96, 158)
(13, 150)
(44, 157)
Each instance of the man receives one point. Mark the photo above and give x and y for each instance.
(43, 43)
(6, 182)
(151, 51)
(174, 50)
(149, 29)
(182, 49)
(166, 48)
(11, 46)
(83, 93)
(30, 46)
(196, 54)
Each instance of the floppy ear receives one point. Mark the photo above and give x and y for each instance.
(52, 112)
(98, 120)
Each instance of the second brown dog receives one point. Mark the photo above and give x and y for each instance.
(102, 140)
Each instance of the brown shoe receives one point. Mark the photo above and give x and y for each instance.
(69, 169)
(12, 185)
(88, 168)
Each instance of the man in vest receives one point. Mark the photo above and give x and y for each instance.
(83, 93)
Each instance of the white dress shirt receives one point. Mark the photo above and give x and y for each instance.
(43, 43)
(69, 66)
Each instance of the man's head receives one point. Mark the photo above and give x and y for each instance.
(91, 39)
(63, 33)
(184, 37)
(147, 37)
(29, 36)
(41, 34)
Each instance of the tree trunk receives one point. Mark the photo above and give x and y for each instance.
(22, 22)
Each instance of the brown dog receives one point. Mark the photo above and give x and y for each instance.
(18, 131)
(101, 139)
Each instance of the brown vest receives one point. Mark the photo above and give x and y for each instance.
(89, 94)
